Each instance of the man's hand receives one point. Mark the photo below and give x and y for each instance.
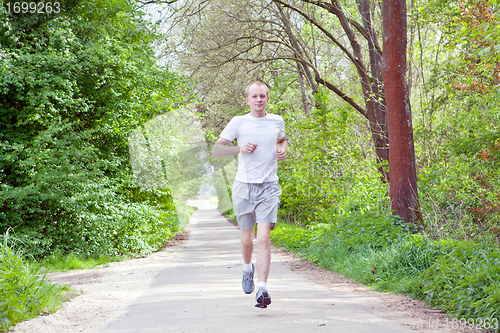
(248, 148)
(281, 147)
(281, 154)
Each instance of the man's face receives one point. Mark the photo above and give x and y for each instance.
(257, 98)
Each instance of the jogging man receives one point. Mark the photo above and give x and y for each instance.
(256, 191)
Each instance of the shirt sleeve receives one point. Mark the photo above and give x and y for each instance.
(230, 131)
(281, 134)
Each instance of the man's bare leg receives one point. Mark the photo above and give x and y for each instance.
(264, 251)
(247, 244)
(248, 270)
(263, 264)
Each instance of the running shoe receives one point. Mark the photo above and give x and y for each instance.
(263, 299)
(247, 283)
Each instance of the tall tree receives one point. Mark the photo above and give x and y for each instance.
(73, 85)
(403, 180)
(322, 43)
(369, 73)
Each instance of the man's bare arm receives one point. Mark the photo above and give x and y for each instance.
(281, 147)
(222, 148)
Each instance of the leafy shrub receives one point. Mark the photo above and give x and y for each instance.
(354, 230)
(366, 228)
(461, 277)
(72, 88)
(293, 238)
(70, 205)
(230, 213)
(460, 200)
(329, 167)
(465, 281)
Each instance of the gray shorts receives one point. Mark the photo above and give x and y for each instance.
(256, 203)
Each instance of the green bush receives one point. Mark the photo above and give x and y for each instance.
(329, 166)
(362, 228)
(96, 221)
(367, 228)
(460, 199)
(230, 213)
(72, 88)
(465, 281)
(293, 238)
(461, 277)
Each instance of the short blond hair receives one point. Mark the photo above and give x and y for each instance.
(258, 83)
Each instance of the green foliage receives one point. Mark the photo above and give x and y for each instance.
(465, 281)
(73, 206)
(329, 166)
(293, 238)
(367, 229)
(397, 267)
(24, 291)
(460, 198)
(481, 58)
(58, 262)
(456, 120)
(72, 88)
(230, 213)
(461, 277)
(357, 229)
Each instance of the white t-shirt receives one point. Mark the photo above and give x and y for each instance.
(261, 165)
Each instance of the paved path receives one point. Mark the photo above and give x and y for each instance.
(200, 291)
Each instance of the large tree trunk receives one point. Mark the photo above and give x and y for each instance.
(380, 134)
(403, 179)
(370, 87)
(371, 80)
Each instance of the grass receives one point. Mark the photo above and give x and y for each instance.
(230, 213)
(460, 277)
(62, 263)
(25, 292)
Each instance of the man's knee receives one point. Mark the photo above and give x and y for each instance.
(264, 239)
(246, 240)
(247, 236)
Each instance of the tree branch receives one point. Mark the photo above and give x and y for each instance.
(341, 94)
(168, 2)
(261, 41)
(323, 4)
(351, 57)
(330, 8)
